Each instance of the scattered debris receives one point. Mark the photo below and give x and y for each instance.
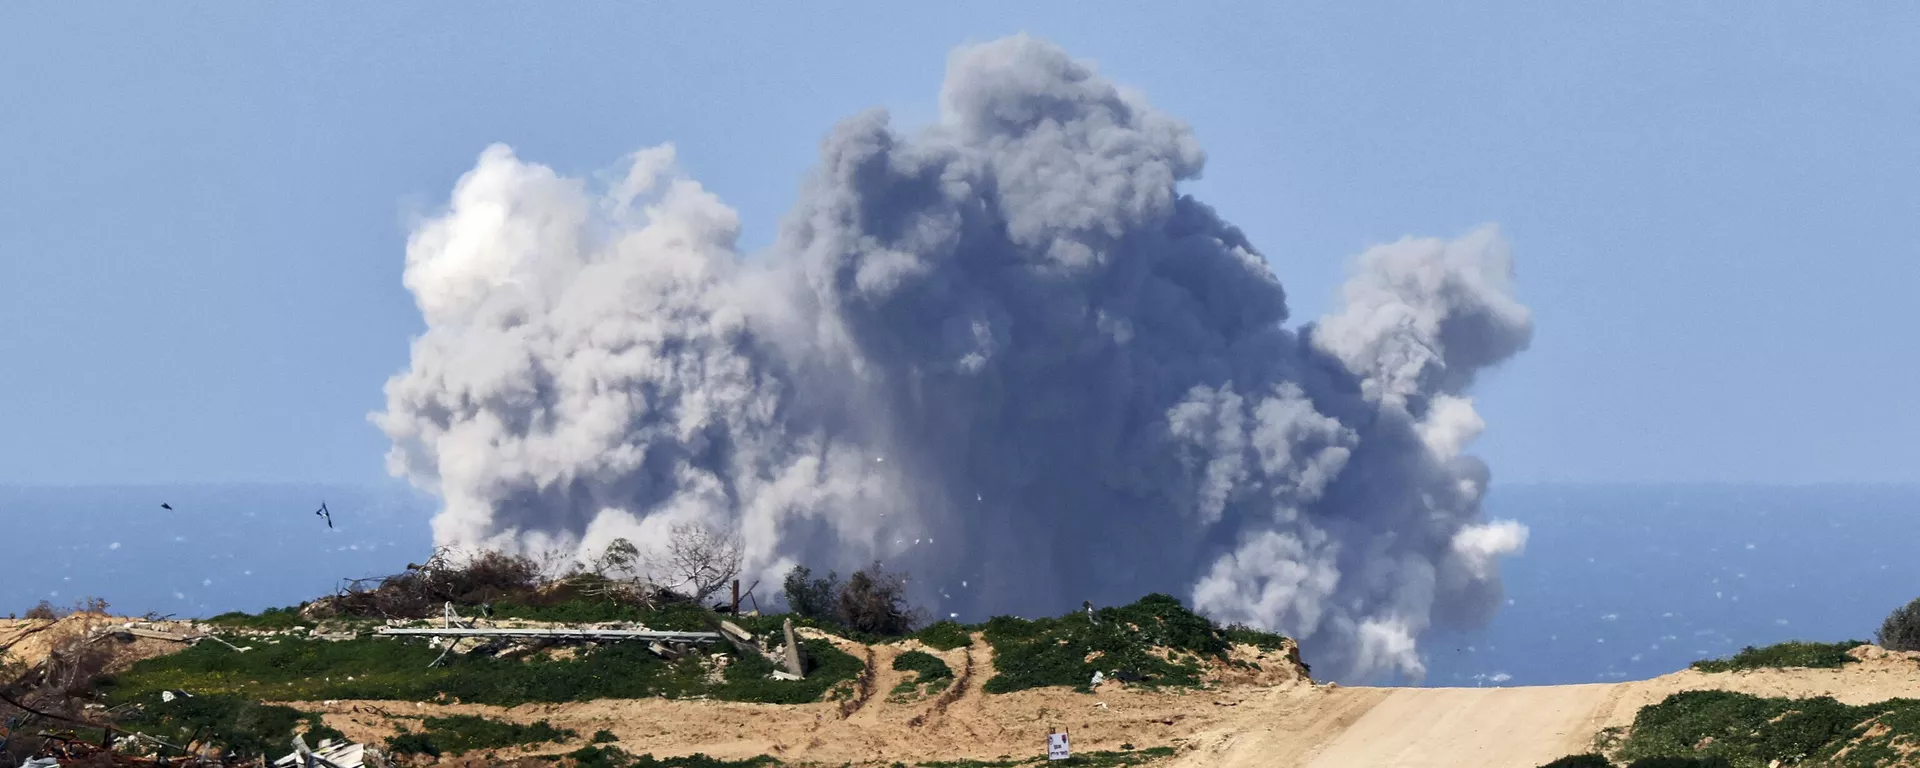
(329, 755)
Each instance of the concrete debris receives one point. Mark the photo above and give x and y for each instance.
(1098, 678)
(781, 674)
(328, 755)
(733, 631)
(795, 665)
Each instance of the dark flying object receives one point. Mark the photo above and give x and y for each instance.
(322, 511)
(164, 505)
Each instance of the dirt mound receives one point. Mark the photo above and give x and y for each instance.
(28, 643)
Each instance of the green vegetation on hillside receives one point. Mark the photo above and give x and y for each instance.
(1788, 654)
(1750, 732)
(1155, 641)
(944, 636)
(298, 668)
(271, 618)
(928, 669)
(460, 734)
(246, 727)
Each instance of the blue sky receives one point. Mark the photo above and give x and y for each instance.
(203, 213)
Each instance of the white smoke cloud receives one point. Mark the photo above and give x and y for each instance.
(1009, 333)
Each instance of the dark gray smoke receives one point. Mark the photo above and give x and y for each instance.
(1005, 353)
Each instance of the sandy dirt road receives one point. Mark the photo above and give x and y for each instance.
(1487, 727)
(1500, 727)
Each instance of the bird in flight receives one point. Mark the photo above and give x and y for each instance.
(322, 511)
(164, 505)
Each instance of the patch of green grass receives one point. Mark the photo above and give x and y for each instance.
(243, 726)
(614, 757)
(1782, 655)
(1748, 731)
(297, 668)
(1681, 762)
(1049, 652)
(929, 666)
(271, 618)
(944, 636)
(928, 670)
(460, 734)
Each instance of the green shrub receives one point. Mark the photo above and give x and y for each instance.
(1743, 730)
(460, 734)
(929, 666)
(1788, 654)
(244, 726)
(412, 743)
(604, 737)
(1049, 652)
(1241, 634)
(1901, 630)
(928, 670)
(319, 731)
(271, 618)
(1580, 761)
(944, 636)
(1681, 762)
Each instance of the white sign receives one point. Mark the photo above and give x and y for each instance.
(1057, 747)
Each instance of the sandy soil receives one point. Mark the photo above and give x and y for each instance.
(1519, 727)
(27, 642)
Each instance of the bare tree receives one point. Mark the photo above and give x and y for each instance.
(697, 561)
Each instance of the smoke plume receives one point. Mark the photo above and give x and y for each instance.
(1005, 353)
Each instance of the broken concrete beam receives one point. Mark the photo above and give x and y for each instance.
(129, 632)
(734, 631)
(781, 674)
(660, 649)
(795, 665)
